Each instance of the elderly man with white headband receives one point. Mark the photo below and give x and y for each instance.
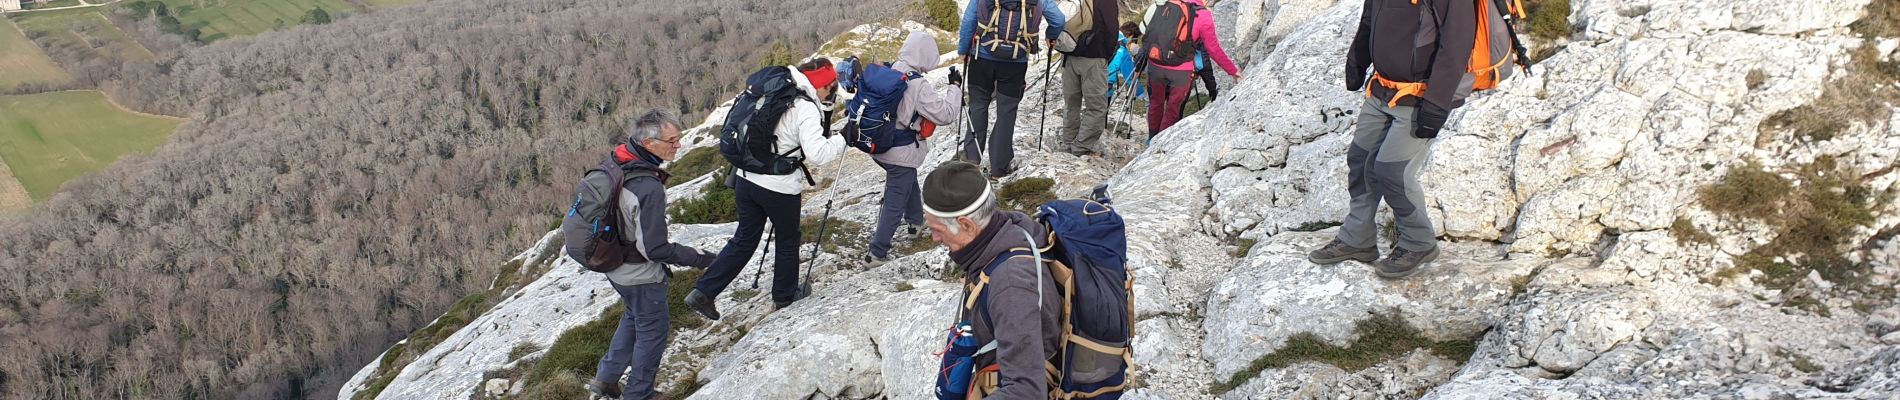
(1014, 312)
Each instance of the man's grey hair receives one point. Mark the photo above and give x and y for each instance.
(981, 216)
(649, 125)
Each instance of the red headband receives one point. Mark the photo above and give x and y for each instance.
(822, 78)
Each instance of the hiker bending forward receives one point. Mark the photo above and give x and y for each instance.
(1020, 307)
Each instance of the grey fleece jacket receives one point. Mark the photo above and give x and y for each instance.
(643, 208)
(921, 100)
(1026, 333)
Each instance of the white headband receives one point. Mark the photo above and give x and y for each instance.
(985, 197)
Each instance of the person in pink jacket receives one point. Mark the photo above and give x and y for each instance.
(1170, 58)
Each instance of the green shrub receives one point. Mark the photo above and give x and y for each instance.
(1026, 194)
(1549, 20)
(943, 14)
(695, 163)
(717, 204)
(1382, 337)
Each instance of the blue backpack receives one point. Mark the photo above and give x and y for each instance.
(1088, 256)
(871, 117)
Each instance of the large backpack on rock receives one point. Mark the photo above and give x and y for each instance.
(749, 139)
(1087, 255)
(1008, 28)
(1494, 52)
(871, 117)
(1170, 39)
(591, 231)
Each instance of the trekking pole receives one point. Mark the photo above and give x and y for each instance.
(1048, 64)
(823, 222)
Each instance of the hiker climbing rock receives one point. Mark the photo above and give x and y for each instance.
(770, 145)
(996, 39)
(1177, 31)
(1084, 82)
(916, 114)
(626, 196)
(1470, 48)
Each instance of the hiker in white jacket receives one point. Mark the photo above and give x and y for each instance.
(777, 198)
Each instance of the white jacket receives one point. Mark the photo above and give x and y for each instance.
(802, 127)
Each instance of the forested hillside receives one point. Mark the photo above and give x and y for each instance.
(337, 186)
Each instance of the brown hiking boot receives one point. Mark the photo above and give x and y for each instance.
(1403, 263)
(1337, 251)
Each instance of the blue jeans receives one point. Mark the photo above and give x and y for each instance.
(902, 201)
(639, 341)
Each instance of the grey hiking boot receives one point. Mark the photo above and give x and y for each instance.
(1337, 251)
(609, 390)
(702, 304)
(873, 261)
(1403, 263)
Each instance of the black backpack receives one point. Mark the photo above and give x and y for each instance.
(591, 230)
(1170, 39)
(749, 140)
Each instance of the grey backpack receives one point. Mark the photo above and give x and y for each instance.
(591, 229)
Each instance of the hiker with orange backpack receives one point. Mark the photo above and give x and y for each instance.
(1177, 30)
(918, 112)
(1465, 46)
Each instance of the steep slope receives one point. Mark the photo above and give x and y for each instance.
(1592, 247)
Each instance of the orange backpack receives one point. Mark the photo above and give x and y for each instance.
(1492, 54)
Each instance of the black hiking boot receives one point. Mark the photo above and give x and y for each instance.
(610, 390)
(1403, 263)
(804, 290)
(702, 304)
(1337, 251)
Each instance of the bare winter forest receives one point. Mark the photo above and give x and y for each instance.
(338, 186)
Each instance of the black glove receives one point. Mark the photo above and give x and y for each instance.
(1428, 120)
(1355, 77)
(956, 78)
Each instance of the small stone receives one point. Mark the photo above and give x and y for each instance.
(497, 387)
(1891, 338)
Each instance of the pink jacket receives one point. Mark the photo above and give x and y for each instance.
(1210, 41)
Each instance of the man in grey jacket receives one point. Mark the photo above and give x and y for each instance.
(922, 103)
(641, 338)
(1017, 310)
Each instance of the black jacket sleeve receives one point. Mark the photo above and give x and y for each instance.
(1457, 32)
(1359, 56)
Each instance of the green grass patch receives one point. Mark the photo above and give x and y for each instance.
(716, 204)
(577, 352)
(1813, 220)
(85, 28)
(50, 138)
(838, 233)
(1549, 19)
(1860, 93)
(24, 63)
(1382, 337)
(695, 163)
(1686, 232)
(1315, 226)
(223, 19)
(460, 314)
(522, 350)
(1026, 194)
(1242, 246)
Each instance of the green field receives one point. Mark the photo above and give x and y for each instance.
(84, 28)
(222, 19)
(49, 138)
(22, 62)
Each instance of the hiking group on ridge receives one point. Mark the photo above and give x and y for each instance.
(1047, 309)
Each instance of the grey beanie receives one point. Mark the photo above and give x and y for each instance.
(955, 189)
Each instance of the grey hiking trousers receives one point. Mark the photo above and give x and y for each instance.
(1383, 164)
(1085, 104)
